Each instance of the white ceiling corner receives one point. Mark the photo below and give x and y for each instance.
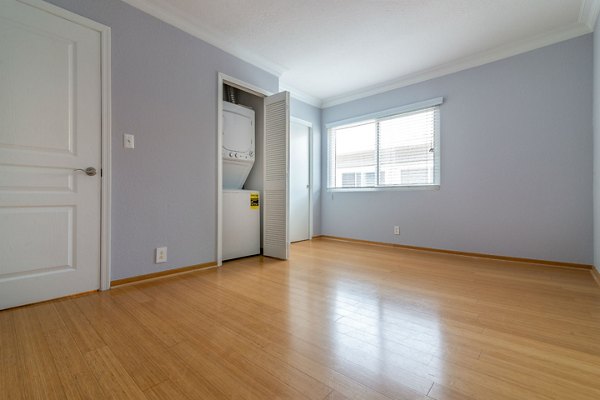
(300, 95)
(167, 14)
(590, 9)
(308, 45)
(472, 61)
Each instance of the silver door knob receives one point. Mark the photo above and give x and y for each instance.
(89, 171)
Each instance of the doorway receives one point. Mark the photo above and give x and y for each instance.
(271, 179)
(300, 180)
(54, 152)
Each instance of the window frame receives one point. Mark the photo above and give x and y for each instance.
(382, 115)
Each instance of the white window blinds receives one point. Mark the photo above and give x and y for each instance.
(396, 150)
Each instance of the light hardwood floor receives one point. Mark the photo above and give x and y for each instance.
(338, 321)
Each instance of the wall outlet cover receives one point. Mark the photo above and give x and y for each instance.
(128, 141)
(396, 230)
(161, 255)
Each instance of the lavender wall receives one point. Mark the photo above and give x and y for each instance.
(516, 151)
(164, 91)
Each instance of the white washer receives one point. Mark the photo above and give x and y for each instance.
(238, 144)
(241, 223)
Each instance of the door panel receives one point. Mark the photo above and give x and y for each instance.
(50, 124)
(276, 190)
(35, 179)
(50, 248)
(25, 49)
(299, 182)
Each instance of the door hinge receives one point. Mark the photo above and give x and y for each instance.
(101, 172)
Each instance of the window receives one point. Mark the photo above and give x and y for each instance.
(397, 148)
(350, 179)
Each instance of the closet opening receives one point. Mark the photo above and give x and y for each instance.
(252, 171)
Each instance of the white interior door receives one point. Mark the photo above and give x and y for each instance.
(50, 125)
(276, 241)
(299, 182)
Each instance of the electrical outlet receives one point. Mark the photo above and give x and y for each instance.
(128, 141)
(161, 255)
(396, 230)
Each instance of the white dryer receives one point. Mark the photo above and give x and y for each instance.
(238, 144)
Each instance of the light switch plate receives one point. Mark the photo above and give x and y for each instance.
(128, 141)
(161, 255)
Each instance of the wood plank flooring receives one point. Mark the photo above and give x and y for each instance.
(337, 321)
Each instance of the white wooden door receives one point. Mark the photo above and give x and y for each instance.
(276, 241)
(50, 125)
(299, 182)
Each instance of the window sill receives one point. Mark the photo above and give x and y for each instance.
(386, 188)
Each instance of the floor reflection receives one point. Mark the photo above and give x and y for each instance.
(361, 326)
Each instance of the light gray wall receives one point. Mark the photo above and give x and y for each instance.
(312, 114)
(516, 172)
(164, 91)
(596, 113)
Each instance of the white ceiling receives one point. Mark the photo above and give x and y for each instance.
(330, 51)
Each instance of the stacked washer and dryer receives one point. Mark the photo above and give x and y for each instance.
(241, 208)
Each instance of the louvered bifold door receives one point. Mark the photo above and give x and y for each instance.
(276, 182)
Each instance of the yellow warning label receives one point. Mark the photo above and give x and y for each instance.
(254, 203)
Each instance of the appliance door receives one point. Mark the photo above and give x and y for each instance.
(238, 132)
(241, 223)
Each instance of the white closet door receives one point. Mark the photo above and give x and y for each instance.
(276, 241)
(299, 182)
(50, 126)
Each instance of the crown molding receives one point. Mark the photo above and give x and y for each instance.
(171, 17)
(588, 13)
(300, 95)
(476, 60)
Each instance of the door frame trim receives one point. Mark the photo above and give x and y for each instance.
(246, 87)
(309, 125)
(106, 121)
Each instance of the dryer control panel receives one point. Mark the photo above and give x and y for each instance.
(236, 155)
